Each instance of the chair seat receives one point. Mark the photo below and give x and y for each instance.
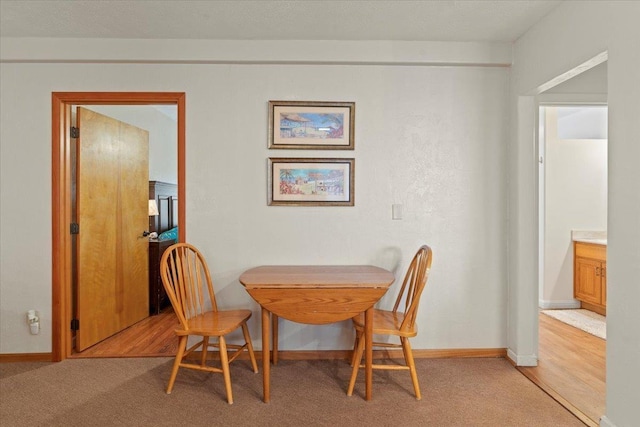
(386, 322)
(215, 323)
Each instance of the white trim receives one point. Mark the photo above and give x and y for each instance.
(558, 305)
(62, 50)
(585, 66)
(529, 360)
(553, 99)
(606, 422)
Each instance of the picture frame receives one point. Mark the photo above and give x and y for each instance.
(311, 182)
(311, 125)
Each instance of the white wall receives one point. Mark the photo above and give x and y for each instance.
(576, 199)
(568, 37)
(592, 81)
(432, 138)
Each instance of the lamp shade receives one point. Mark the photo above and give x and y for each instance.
(153, 208)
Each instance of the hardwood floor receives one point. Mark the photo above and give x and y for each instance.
(571, 369)
(151, 337)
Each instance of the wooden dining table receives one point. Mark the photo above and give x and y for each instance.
(317, 295)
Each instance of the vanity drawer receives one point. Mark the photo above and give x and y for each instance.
(590, 250)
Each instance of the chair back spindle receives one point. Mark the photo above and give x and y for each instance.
(187, 282)
(412, 286)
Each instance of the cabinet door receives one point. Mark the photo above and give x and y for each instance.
(588, 286)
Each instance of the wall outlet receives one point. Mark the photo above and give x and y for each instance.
(33, 320)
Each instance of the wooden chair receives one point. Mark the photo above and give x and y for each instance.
(186, 279)
(399, 323)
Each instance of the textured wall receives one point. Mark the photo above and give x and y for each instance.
(430, 138)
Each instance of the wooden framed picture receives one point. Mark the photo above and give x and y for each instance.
(310, 182)
(311, 125)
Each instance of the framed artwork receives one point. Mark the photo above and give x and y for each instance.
(311, 125)
(310, 182)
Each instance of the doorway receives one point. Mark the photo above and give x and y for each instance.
(572, 203)
(62, 102)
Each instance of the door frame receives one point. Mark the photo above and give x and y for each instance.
(62, 272)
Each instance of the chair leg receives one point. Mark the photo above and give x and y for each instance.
(247, 339)
(356, 365)
(355, 348)
(224, 359)
(408, 355)
(182, 345)
(274, 338)
(205, 348)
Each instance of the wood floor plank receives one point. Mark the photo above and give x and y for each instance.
(571, 367)
(151, 337)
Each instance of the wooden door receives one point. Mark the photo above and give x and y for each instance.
(588, 284)
(112, 211)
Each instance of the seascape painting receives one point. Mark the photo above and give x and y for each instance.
(311, 125)
(312, 182)
(309, 181)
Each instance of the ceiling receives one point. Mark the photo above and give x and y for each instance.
(443, 20)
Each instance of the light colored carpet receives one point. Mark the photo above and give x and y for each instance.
(588, 321)
(131, 392)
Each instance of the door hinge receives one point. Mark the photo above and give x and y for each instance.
(75, 324)
(75, 228)
(75, 132)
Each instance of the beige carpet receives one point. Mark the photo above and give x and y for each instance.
(586, 320)
(130, 392)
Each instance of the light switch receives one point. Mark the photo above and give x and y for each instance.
(396, 211)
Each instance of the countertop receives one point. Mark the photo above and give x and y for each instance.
(593, 241)
(589, 236)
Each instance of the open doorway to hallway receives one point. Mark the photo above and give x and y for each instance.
(573, 186)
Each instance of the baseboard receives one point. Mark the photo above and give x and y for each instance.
(522, 360)
(606, 422)
(558, 305)
(394, 354)
(315, 354)
(26, 357)
(595, 308)
(380, 354)
(457, 353)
